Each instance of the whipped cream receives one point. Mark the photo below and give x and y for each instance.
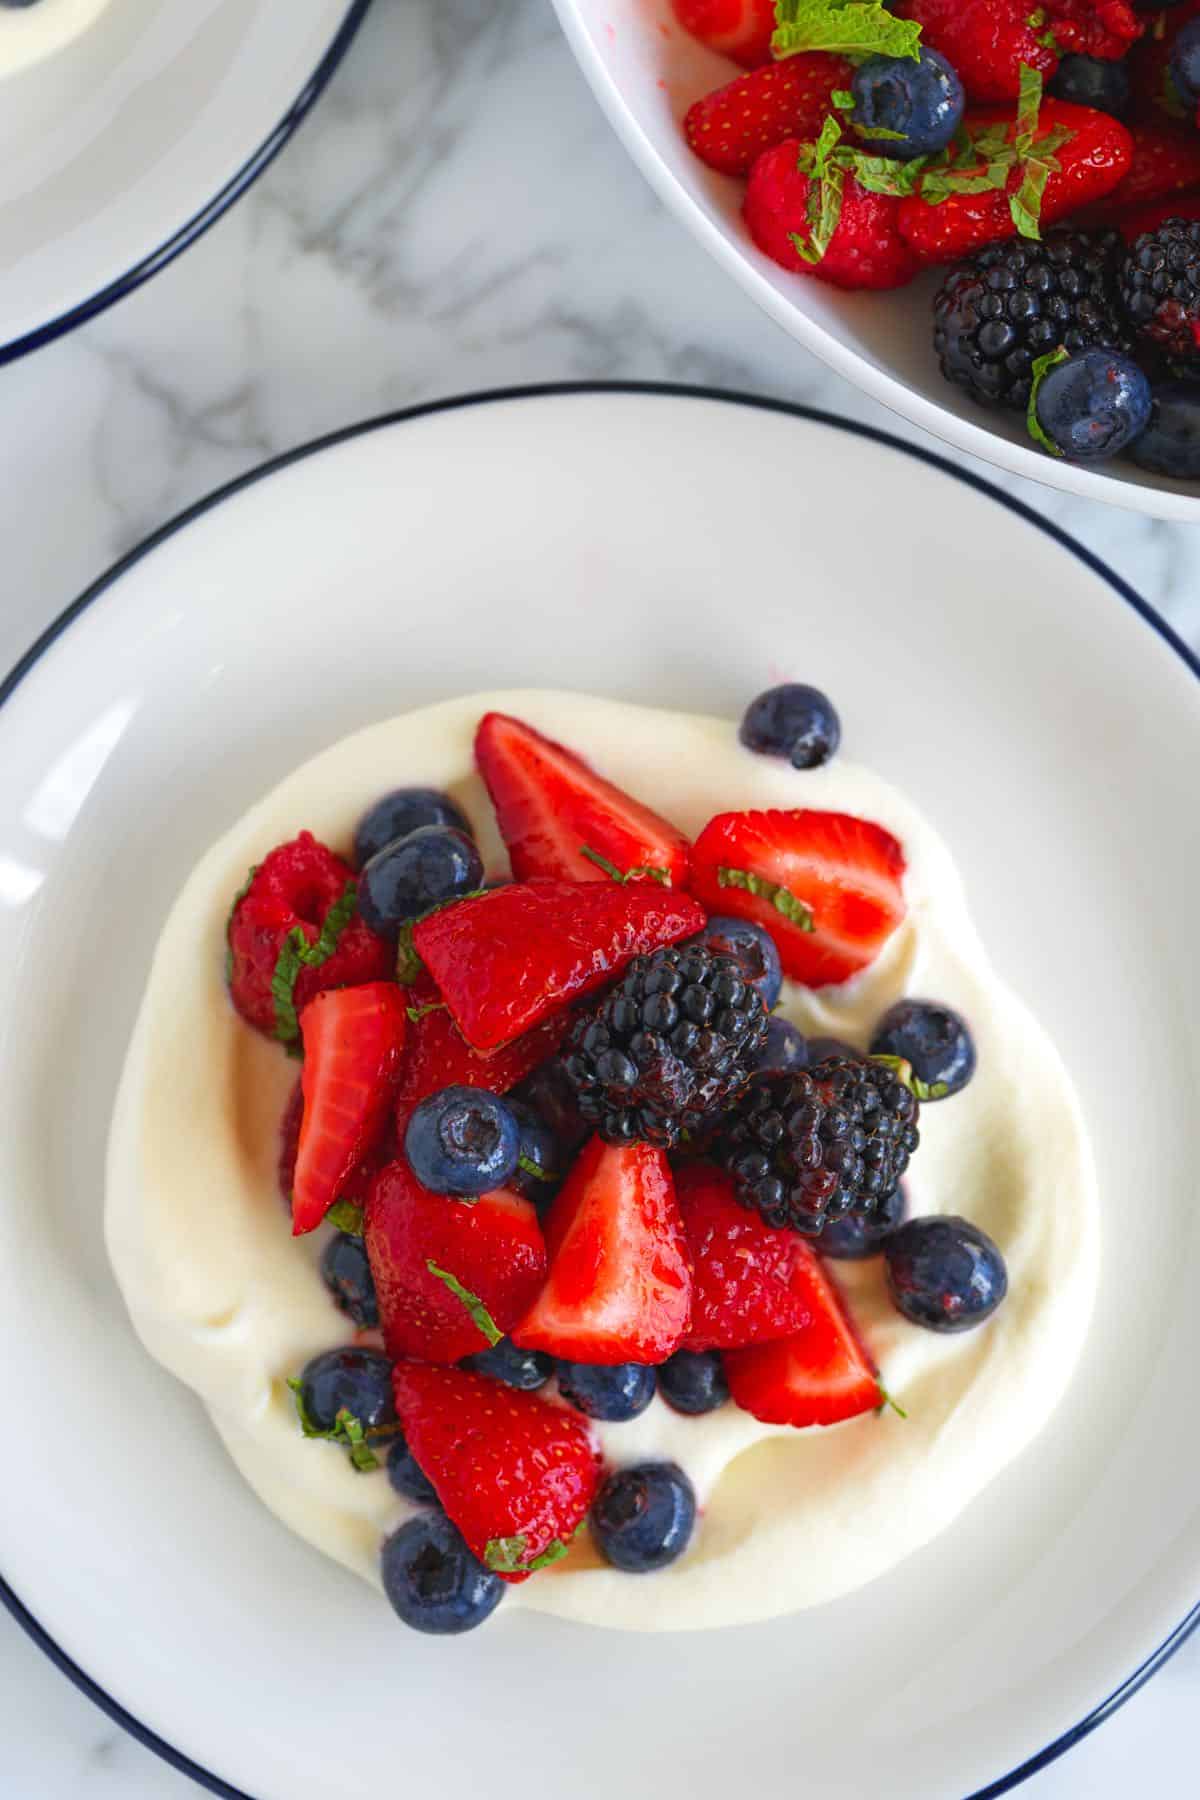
(28, 34)
(225, 1298)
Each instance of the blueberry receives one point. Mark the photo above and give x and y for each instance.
(433, 1581)
(693, 1381)
(921, 98)
(347, 1274)
(360, 1381)
(1093, 405)
(1185, 62)
(794, 721)
(934, 1039)
(1093, 81)
(786, 1048)
(944, 1273)
(753, 949)
(407, 1476)
(462, 1141)
(643, 1517)
(1170, 444)
(853, 1238)
(540, 1159)
(615, 1392)
(401, 812)
(414, 873)
(525, 1369)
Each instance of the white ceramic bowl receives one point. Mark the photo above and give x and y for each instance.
(118, 150)
(646, 71)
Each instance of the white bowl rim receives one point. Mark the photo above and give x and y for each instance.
(9, 1599)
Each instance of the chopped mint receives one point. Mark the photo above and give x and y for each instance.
(903, 1070)
(297, 953)
(506, 1556)
(530, 1167)
(347, 1217)
(782, 899)
(417, 1013)
(887, 1401)
(481, 1318)
(843, 27)
(640, 871)
(347, 1430)
(843, 99)
(1042, 366)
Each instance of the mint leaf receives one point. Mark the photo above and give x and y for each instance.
(417, 1013)
(1042, 366)
(346, 1217)
(506, 1556)
(530, 1167)
(297, 953)
(649, 871)
(481, 1318)
(883, 174)
(347, 1430)
(888, 1401)
(826, 182)
(903, 1070)
(938, 187)
(843, 99)
(844, 27)
(880, 133)
(782, 899)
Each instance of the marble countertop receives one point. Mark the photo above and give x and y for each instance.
(455, 215)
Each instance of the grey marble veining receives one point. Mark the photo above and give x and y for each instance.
(456, 215)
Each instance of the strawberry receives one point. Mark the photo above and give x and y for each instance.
(620, 1282)
(1164, 160)
(728, 129)
(550, 806)
(509, 959)
(438, 1055)
(819, 1376)
(742, 1290)
(1092, 161)
(825, 885)
(516, 1475)
(988, 40)
(1148, 218)
(492, 1247)
(865, 250)
(741, 29)
(300, 891)
(353, 1038)
(357, 1184)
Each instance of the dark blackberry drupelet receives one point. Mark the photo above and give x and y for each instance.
(669, 1045)
(815, 1146)
(1160, 288)
(1014, 302)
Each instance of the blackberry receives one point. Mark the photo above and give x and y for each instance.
(808, 1148)
(993, 316)
(668, 1046)
(1160, 288)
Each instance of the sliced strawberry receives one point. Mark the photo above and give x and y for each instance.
(437, 1054)
(516, 1475)
(1165, 160)
(989, 41)
(742, 1288)
(551, 807)
(620, 1282)
(844, 873)
(741, 29)
(357, 1184)
(728, 129)
(493, 1248)
(508, 959)
(819, 1376)
(353, 1038)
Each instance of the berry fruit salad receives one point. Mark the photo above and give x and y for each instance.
(1042, 163)
(583, 1159)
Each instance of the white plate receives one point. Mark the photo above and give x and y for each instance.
(679, 550)
(646, 72)
(119, 150)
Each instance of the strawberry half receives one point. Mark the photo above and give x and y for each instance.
(515, 1475)
(840, 875)
(866, 249)
(437, 1054)
(819, 1376)
(493, 1248)
(741, 29)
(728, 129)
(743, 1291)
(353, 1038)
(509, 959)
(550, 806)
(620, 1282)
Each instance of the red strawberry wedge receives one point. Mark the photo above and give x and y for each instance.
(1165, 160)
(515, 1475)
(728, 129)
(741, 29)
(353, 1039)
(551, 807)
(437, 1054)
(987, 41)
(825, 885)
(620, 1282)
(743, 1291)
(506, 960)
(820, 1375)
(492, 1248)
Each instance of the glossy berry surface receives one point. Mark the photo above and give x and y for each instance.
(462, 1141)
(415, 874)
(433, 1581)
(541, 1160)
(403, 811)
(855, 1238)
(613, 1391)
(523, 1369)
(1160, 287)
(920, 98)
(1185, 62)
(406, 1474)
(1093, 81)
(347, 1274)
(795, 721)
(785, 1049)
(643, 1517)
(752, 948)
(944, 1273)
(935, 1039)
(693, 1381)
(1093, 405)
(1170, 444)
(356, 1381)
